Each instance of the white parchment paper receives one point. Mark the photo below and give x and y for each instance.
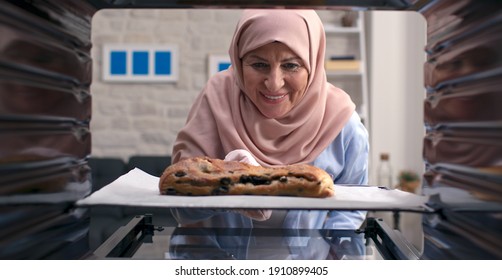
(138, 188)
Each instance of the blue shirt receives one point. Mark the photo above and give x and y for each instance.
(345, 159)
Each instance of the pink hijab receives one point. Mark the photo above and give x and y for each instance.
(223, 118)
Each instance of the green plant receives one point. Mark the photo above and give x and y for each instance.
(408, 176)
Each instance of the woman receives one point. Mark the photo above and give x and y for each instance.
(274, 106)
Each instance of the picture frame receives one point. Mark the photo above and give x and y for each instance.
(217, 63)
(140, 63)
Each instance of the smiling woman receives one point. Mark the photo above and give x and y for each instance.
(275, 106)
(229, 112)
(275, 79)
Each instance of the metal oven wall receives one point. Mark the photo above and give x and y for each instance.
(45, 110)
(462, 147)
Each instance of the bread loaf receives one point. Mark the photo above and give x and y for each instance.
(203, 176)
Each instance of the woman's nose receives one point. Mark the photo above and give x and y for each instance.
(274, 80)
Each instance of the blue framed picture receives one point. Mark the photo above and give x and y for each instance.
(140, 63)
(217, 63)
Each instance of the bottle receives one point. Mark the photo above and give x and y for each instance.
(384, 175)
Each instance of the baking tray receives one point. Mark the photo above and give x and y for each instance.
(142, 239)
(140, 189)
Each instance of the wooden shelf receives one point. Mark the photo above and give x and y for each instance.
(331, 28)
(332, 73)
(351, 77)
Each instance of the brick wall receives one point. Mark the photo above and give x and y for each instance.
(143, 118)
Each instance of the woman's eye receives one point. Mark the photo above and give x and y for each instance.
(259, 65)
(291, 66)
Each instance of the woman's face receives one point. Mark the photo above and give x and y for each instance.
(275, 79)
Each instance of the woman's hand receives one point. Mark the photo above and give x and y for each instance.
(242, 156)
(257, 215)
(245, 156)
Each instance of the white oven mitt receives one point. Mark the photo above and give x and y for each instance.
(245, 156)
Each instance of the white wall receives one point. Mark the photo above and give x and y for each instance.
(144, 118)
(396, 89)
(397, 92)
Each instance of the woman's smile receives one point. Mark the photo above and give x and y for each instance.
(277, 98)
